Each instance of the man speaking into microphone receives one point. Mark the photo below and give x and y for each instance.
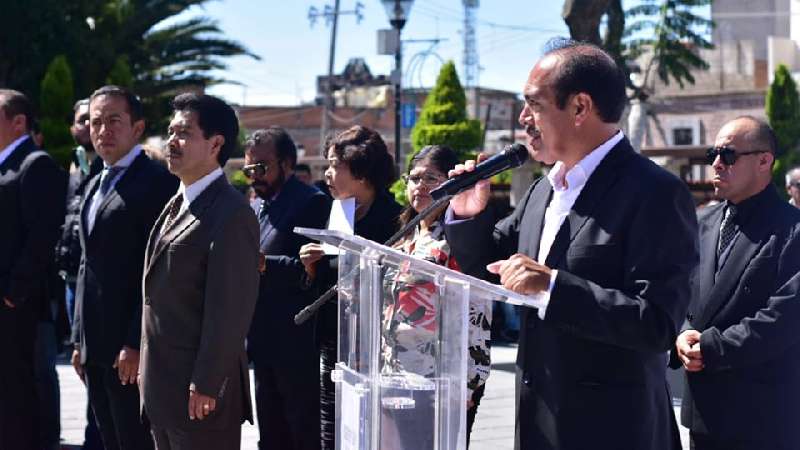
(605, 245)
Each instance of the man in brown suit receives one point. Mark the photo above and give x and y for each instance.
(200, 287)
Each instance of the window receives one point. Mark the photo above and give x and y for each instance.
(682, 136)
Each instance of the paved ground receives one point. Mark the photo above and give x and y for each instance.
(494, 426)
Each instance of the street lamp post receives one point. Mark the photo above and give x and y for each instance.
(398, 10)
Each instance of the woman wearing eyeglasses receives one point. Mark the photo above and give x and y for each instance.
(359, 166)
(409, 330)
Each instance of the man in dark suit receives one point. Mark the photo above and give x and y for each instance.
(286, 376)
(741, 347)
(32, 193)
(605, 245)
(118, 210)
(200, 288)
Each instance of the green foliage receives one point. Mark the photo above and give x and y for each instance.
(783, 112)
(673, 32)
(398, 189)
(443, 119)
(57, 93)
(55, 104)
(120, 74)
(239, 180)
(101, 37)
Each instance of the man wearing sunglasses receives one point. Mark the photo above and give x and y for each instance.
(286, 376)
(740, 346)
(793, 186)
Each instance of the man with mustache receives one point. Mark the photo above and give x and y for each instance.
(118, 210)
(286, 376)
(604, 244)
(740, 347)
(200, 286)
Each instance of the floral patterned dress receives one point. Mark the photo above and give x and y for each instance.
(409, 329)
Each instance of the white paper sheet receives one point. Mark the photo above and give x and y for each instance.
(342, 218)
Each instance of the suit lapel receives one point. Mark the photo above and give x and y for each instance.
(598, 184)
(531, 233)
(709, 235)
(279, 208)
(127, 179)
(189, 216)
(85, 206)
(747, 244)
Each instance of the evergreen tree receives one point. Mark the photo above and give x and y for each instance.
(55, 103)
(120, 74)
(783, 112)
(443, 121)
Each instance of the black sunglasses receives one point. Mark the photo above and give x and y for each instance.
(258, 170)
(727, 155)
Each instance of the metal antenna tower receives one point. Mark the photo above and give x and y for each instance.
(471, 66)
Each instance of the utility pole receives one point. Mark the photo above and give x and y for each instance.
(471, 65)
(331, 16)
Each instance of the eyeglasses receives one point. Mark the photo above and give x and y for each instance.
(796, 184)
(256, 170)
(727, 155)
(426, 179)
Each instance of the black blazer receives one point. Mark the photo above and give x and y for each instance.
(280, 293)
(32, 201)
(592, 373)
(108, 297)
(749, 389)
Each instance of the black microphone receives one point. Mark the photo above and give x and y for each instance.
(512, 156)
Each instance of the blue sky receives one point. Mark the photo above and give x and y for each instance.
(293, 52)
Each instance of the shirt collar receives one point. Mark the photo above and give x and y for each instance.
(751, 205)
(192, 191)
(6, 152)
(577, 176)
(126, 160)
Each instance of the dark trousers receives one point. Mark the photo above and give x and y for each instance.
(18, 406)
(700, 441)
(477, 395)
(327, 394)
(287, 405)
(116, 409)
(178, 439)
(47, 387)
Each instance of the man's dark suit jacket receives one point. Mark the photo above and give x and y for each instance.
(200, 288)
(32, 201)
(749, 389)
(32, 193)
(592, 373)
(280, 293)
(108, 298)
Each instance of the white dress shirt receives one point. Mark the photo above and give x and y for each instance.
(567, 186)
(192, 191)
(97, 198)
(11, 147)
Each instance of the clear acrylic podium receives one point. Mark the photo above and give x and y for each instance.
(383, 401)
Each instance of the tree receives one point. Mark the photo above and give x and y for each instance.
(120, 74)
(56, 101)
(783, 112)
(443, 120)
(115, 40)
(667, 33)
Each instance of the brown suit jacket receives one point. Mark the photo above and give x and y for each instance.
(200, 287)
